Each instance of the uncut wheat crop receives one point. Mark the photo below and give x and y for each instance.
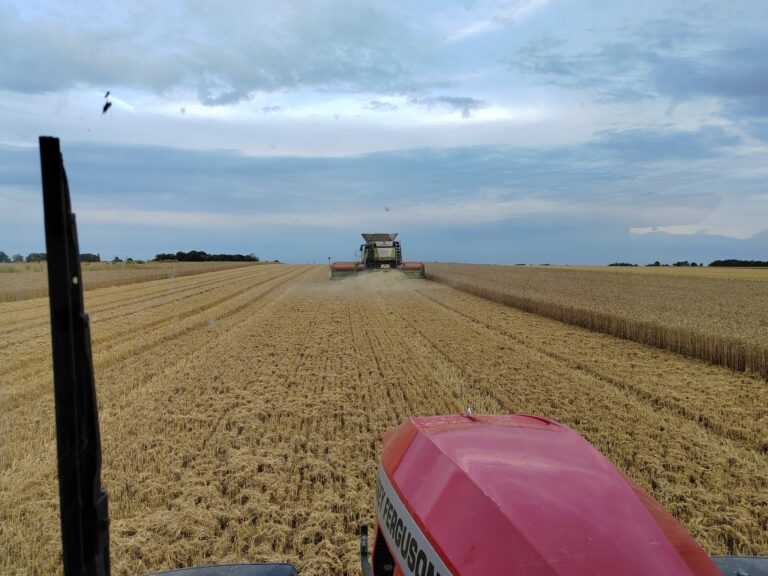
(719, 315)
(242, 411)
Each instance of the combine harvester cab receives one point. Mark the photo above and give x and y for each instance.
(520, 495)
(380, 253)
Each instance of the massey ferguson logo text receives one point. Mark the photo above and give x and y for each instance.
(403, 535)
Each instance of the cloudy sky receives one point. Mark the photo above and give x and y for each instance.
(563, 131)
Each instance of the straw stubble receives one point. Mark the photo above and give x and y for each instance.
(242, 413)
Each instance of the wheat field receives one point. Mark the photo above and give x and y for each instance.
(20, 281)
(241, 413)
(719, 315)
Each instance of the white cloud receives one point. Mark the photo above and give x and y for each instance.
(329, 126)
(732, 219)
(449, 213)
(223, 53)
(495, 17)
(686, 229)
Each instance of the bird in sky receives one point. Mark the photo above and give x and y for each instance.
(107, 94)
(107, 106)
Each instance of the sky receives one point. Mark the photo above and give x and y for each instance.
(523, 131)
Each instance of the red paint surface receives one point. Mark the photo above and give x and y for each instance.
(522, 495)
(344, 266)
(410, 266)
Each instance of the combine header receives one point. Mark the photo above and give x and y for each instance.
(381, 252)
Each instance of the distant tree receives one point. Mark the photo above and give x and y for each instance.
(657, 263)
(683, 263)
(4, 257)
(18, 258)
(116, 260)
(129, 260)
(88, 257)
(621, 264)
(740, 263)
(36, 257)
(200, 256)
(693, 264)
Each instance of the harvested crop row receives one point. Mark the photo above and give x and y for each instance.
(20, 345)
(255, 437)
(119, 340)
(28, 463)
(720, 320)
(121, 301)
(24, 281)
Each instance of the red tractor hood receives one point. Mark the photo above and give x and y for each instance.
(516, 494)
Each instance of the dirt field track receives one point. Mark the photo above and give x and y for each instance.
(241, 413)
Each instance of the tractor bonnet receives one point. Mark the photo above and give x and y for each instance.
(516, 494)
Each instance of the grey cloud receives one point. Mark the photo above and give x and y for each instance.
(660, 58)
(616, 167)
(41, 56)
(615, 72)
(493, 16)
(655, 145)
(618, 180)
(737, 74)
(220, 96)
(271, 109)
(758, 129)
(463, 104)
(224, 52)
(381, 106)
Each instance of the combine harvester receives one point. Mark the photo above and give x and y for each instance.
(456, 495)
(380, 253)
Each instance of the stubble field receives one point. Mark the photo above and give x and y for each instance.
(241, 413)
(20, 281)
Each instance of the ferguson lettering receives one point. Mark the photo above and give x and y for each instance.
(407, 543)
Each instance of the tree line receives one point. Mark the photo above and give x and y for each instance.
(42, 257)
(193, 256)
(741, 263)
(685, 263)
(200, 256)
